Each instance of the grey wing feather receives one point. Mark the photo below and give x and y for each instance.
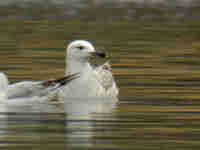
(24, 89)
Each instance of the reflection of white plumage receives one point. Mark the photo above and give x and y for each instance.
(93, 82)
(31, 90)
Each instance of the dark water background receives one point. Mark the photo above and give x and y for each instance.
(155, 55)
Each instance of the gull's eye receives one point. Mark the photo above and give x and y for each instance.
(80, 47)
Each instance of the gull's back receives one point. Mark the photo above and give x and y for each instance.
(23, 89)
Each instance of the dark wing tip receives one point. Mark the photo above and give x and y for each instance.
(61, 81)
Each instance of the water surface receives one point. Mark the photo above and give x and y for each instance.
(156, 66)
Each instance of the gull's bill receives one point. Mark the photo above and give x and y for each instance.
(98, 54)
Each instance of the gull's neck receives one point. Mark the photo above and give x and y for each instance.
(3, 92)
(3, 86)
(3, 96)
(75, 66)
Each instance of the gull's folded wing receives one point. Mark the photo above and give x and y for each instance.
(37, 88)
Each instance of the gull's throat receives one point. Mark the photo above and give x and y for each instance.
(74, 66)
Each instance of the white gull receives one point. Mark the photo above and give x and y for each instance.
(94, 83)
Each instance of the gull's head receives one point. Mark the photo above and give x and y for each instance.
(3, 85)
(82, 50)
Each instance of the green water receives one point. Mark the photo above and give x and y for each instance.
(156, 66)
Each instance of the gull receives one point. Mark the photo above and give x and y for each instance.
(94, 82)
(31, 90)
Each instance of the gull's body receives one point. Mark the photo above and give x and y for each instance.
(92, 83)
(28, 91)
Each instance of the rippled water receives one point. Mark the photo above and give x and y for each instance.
(156, 66)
